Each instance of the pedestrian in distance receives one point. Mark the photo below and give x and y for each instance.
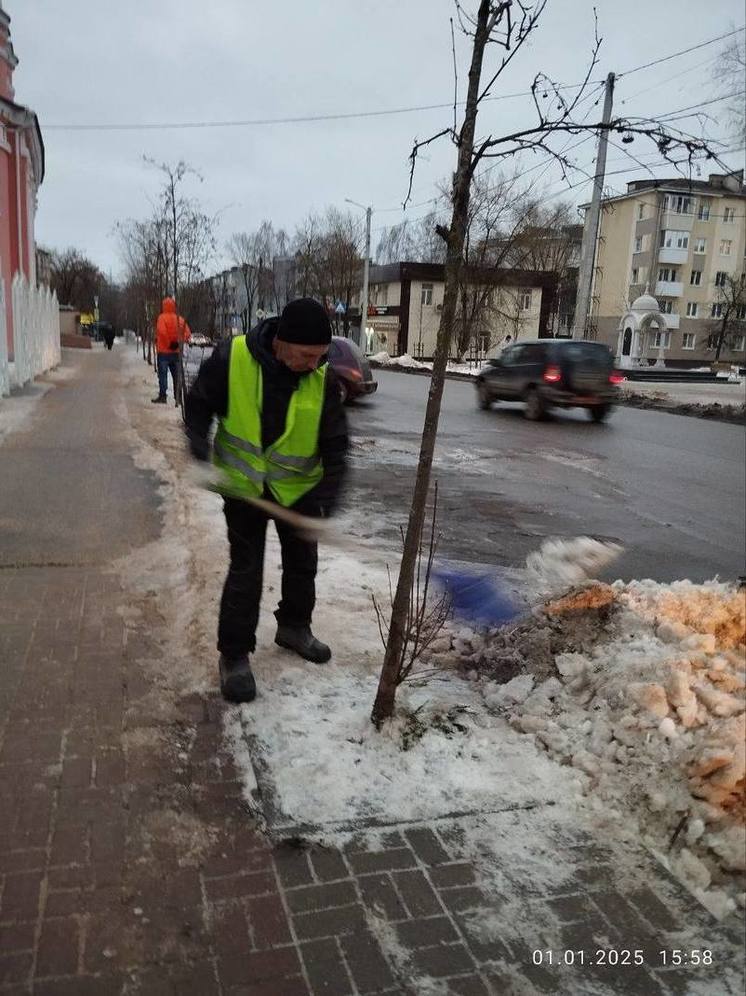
(171, 332)
(281, 437)
(109, 335)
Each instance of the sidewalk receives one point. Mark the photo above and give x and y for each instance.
(129, 861)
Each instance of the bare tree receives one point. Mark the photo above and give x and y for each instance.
(74, 278)
(497, 26)
(242, 248)
(167, 252)
(414, 240)
(328, 259)
(729, 314)
(730, 74)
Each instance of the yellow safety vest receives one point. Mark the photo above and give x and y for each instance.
(291, 466)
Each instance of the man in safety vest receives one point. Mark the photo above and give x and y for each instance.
(281, 436)
(171, 331)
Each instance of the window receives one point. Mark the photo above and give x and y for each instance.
(717, 311)
(677, 203)
(720, 278)
(668, 273)
(661, 339)
(741, 312)
(383, 294)
(739, 344)
(689, 340)
(532, 353)
(696, 278)
(700, 245)
(704, 211)
(667, 307)
(427, 294)
(640, 212)
(524, 300)
(726, 247)
(638, 243)
(671, 239)
(512, 356)
(691, 309)
(729, 215)
(483, 342)
(635, 273)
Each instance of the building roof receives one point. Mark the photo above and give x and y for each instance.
(717, 184)
(394, 272)
(21, 117)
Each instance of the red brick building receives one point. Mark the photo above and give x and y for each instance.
(21, 174)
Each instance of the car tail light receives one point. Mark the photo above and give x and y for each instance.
(353, 373)
(616, 378)
(552, 375)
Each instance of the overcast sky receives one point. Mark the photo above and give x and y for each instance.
(137, 61)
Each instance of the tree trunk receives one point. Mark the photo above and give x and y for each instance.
(383, 706)
(721, 338)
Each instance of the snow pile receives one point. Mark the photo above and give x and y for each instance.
(648, 703)
(559, 563)
(382, 358)
(405, 360)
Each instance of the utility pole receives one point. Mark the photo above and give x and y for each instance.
(592, 219)
(366, 265)
(364, 302)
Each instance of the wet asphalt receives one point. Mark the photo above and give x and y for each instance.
(669, 488)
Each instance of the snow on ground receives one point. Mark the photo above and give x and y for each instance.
(647, 702)
(408, 362)
(18, 410)
(691, 394)
(633, 722)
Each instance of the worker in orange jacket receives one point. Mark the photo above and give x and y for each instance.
(171, 332)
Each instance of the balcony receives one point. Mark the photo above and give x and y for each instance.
(669, 288)
(677, 222)
(673, 256)
(673, 320)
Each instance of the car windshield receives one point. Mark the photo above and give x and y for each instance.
(589, 354)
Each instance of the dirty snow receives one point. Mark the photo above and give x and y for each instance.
(650, 709)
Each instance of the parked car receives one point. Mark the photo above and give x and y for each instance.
(352, 369)
(552, 373)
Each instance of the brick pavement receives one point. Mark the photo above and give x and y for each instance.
(131, 865)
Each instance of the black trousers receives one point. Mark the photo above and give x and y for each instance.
(242, 592)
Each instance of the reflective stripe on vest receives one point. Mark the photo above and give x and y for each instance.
(291, 466)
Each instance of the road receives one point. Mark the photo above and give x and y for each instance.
(669, 488)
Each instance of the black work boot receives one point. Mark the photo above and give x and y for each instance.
(303, 642)
(236, 680)
(160, 400)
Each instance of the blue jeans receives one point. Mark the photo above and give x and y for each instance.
(166, 362)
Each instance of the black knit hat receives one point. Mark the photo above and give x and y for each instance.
(305, 322)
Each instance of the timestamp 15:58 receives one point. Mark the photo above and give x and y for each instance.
(622, 956)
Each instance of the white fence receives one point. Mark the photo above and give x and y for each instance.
(36, 334)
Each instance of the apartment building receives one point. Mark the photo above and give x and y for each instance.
(677, 240)
(406, 300)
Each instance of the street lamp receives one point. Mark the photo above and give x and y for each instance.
(366, 263)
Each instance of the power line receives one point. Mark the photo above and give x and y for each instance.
(656, 86)
(350, 115)
(704, 103)
(675, 55)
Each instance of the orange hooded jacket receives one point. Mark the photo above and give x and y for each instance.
(170, 328)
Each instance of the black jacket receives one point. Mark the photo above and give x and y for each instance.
(208, 398)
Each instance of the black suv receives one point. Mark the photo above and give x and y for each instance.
(552, 373)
